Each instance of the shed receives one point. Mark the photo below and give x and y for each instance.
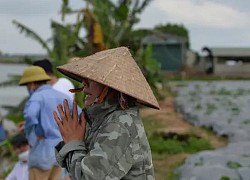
(229, 61)
(169, 50)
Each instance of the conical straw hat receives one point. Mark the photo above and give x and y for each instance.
(115, 68)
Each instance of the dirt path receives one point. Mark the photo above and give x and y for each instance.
(171, 121)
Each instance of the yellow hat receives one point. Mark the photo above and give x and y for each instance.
(115, 68)
(33, 74)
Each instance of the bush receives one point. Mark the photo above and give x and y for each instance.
(196, 144)
(159, 145)
(175, 145)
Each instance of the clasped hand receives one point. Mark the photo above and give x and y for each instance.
(71, 128)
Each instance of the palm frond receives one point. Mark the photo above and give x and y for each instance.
(30, 33)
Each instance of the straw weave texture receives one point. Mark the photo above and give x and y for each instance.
(115, 68)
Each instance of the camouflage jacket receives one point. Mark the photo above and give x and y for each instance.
(115, 147)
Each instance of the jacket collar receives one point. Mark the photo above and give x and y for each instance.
(96, 113)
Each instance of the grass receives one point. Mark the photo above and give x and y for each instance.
(175, 146)
(159, 145)
(224, 178)
(233, 165)
(165, 165)
(15, 118)
(210, 108)
(150, 125)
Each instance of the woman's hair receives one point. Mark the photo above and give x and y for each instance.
(45, 64)
(40, 82)
(19, 139)
(123, 99)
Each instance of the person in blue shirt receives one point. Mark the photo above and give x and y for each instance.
(40, 128)
(2, 130)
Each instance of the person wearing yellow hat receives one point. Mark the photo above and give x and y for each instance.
(60, 84)
(40, 128)
(108, 140)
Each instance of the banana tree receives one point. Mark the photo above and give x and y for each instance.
(107, 24)
(118, 19)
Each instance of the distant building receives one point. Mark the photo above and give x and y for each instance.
(169, 50)
(227, 61)
(191, 58)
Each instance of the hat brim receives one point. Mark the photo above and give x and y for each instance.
(114, 68)
(29, 80)
(80, 78)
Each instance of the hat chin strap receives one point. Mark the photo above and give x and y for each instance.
(123, 98)
(102, 96)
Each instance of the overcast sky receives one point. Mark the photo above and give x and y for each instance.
(214, 23)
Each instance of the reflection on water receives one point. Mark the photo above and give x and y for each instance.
(12, 95)
(7, 70)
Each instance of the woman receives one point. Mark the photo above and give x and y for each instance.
(114, 144)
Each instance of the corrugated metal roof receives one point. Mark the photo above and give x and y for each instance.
(163, 38)
(230, 52)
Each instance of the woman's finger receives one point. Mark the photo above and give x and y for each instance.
(74, 113)
(66, 109)
(82, 121)
(82, 124)
(58, 121)
(60, 124)
(61, 112)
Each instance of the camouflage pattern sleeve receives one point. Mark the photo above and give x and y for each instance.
(109, 159)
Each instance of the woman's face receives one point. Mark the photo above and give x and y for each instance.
(92, 90)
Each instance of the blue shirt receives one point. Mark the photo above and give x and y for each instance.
(39, 122)
(2, 133)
